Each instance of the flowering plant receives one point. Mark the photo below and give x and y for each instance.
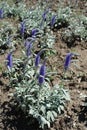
(33, 91)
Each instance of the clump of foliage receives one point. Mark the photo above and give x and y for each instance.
(7, 32)
(77, 30)
(63, 16)
(41, 102)
(19, 11)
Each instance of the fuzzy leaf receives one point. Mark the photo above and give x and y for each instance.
(43, 109)
(50, 116)
(54, 113)
(31, 112)
(44, 122)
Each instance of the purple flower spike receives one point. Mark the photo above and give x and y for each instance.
(53, 20)
(28, 49)
(22, 28)
(34, 32)
(9, 60)
(42, 73)
(28, 41)
(44, 14)
(37, 59)
(1, 13)
(67, 60)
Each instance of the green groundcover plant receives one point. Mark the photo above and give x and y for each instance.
(7, 32)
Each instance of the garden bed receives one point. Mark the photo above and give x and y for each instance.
(74, 116)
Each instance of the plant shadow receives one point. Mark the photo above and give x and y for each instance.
(82, 116)
(15, 119)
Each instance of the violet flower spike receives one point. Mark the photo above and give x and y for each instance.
(9, 60)
(22, 28)
(1, 13)
(44, 14)
(67, 61)
(37, 59)
(28, 41)
(53, 20)
(28, 49)
(34, 32)
(42, 74)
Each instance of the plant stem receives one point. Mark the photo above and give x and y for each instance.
(38, 102)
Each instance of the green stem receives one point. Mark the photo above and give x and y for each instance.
(38, 102)
(62, 80)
